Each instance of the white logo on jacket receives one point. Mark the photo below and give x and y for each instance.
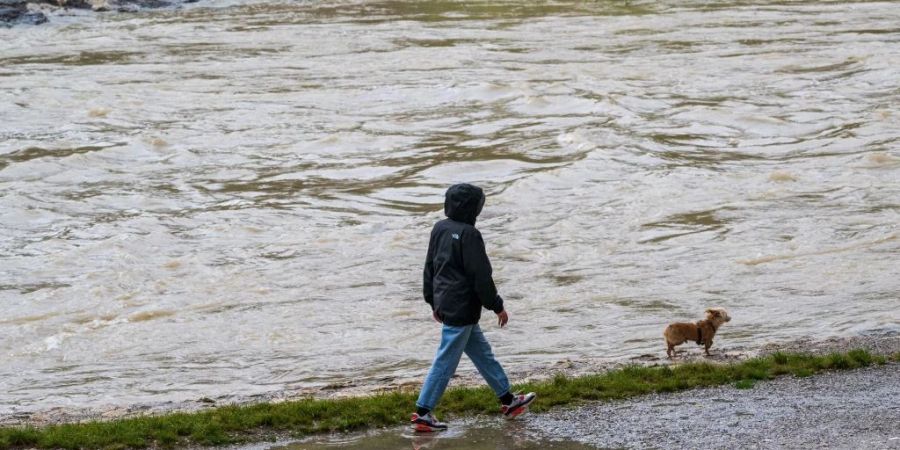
(455, 236)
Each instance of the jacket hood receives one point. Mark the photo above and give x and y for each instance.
(463, 203)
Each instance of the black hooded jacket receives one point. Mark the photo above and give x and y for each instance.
(457, 277)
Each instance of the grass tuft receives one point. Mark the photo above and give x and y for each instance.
(779, 358)
(235, 424)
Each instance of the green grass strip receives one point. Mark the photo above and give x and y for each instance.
(236, 424)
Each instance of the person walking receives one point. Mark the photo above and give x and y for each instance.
(457, 284)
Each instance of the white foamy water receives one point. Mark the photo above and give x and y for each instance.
(235, 198)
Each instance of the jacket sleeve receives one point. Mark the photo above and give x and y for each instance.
(428, 274)
(478, 269)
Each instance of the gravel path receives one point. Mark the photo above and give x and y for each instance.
(853, 410)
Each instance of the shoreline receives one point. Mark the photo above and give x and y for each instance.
(876, 345)
(280, 421)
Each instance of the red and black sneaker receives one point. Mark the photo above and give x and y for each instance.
(518, 406)
(427, 423)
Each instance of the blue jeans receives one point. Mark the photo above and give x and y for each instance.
(455, 341)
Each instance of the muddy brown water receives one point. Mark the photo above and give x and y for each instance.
(233, 198)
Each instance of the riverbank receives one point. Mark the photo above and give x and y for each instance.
(572, 368)
(260, 422)
(877, 345)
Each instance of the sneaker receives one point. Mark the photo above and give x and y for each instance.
(518, 406)
(427, 423)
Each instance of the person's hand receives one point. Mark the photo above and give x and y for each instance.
(436, 317)
(502, 318)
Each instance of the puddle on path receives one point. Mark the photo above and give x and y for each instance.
(491, 436)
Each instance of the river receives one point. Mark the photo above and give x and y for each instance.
(234, 198)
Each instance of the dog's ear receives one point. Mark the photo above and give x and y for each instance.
(713, 312)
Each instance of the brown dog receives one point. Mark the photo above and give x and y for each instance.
(701, 332)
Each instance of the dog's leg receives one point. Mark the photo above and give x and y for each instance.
(670, 350)
(707, 345)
